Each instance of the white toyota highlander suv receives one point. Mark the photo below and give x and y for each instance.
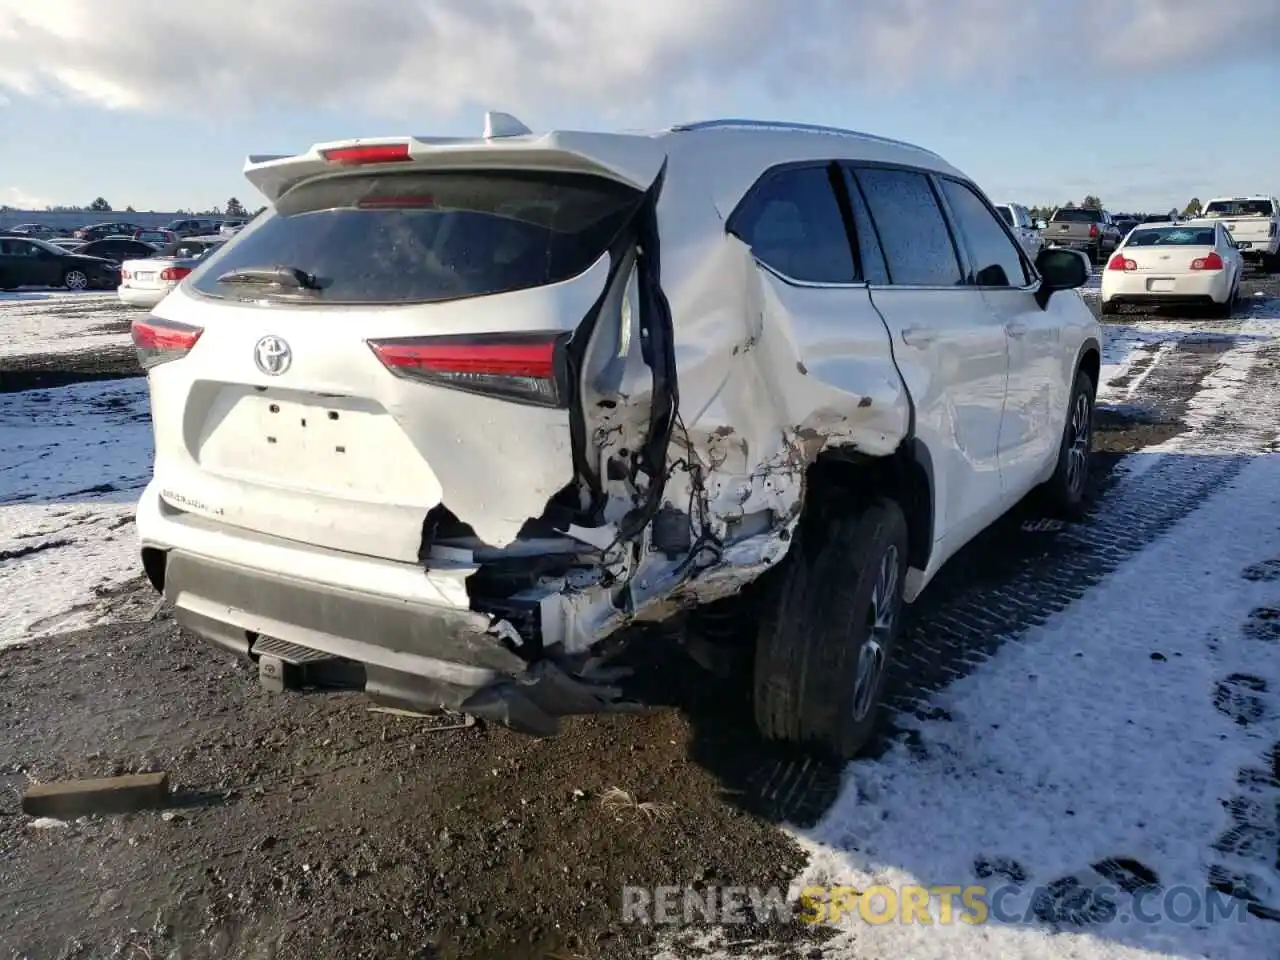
(455, 412)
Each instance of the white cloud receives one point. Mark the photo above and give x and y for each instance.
(611, 56)
(19, 199)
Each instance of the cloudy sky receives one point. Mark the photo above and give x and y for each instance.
(155, 104)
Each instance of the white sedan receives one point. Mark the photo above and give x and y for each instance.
(1193, 264)
(144, 283)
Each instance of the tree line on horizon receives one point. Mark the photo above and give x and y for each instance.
(232, 208)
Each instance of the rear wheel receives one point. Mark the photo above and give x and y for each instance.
(75, 280)
(829, 631)
(1064, 492)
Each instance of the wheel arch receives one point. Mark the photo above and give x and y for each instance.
(1090, 360)
(842, 478)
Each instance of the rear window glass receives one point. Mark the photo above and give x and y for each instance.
(1238, 208)
(1172, 237)
(1077, 216)
(418, 237)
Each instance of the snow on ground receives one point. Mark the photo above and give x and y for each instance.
(1094, 737)
(57, 321)
(1127, 344)
(73, 461)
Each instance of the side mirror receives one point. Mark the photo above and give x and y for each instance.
(1061, 269)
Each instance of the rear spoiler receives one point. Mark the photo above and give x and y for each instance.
(633, 159)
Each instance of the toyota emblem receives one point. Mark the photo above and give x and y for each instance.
(272, 355)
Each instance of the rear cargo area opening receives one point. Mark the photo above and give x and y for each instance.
(380, 239)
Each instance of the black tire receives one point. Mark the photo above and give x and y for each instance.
(1095, 253)
(818, 633)
(1064, 492)
(1221, 311)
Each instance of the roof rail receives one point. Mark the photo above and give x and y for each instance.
(784, 126)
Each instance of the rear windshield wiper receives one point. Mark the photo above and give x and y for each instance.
(273, 276)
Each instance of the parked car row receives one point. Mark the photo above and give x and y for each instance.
(174, 230)
(1252, 223)
(120, 263)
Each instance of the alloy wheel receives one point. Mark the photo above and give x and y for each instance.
(881, 619)
(1081, 438)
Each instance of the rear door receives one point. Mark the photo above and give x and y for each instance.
(29, 264)
(420, 362)
(949, 346)
(1038, 387)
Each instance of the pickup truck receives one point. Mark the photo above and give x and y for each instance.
(1254, 224)
(1024, 229)
(1079, 229)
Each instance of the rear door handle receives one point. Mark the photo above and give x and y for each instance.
(919, 336)
(1016, 329)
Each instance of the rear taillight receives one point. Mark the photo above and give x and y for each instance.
(526, 368)
(1118, 262)
(1093, 230)
(368, 153)
(174, 273)
(125, 274)
(159, 341)
(1210, 262)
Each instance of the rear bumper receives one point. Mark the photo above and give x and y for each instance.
(140, 296)
(1163, 300)
(233, 605)
(1187, 289)
(227, 587)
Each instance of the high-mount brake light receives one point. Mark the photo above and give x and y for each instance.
(525, 368)
(174, 273)
(159, 341)
(1119, 262)
(360, 154)
(1209, 262)
(424, 202)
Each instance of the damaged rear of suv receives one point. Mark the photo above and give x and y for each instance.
(454, 413)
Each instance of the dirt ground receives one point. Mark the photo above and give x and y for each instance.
(308, 826)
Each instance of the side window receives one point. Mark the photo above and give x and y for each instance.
(792, 223)
(1024, 218)
(913, 233)
(997, 261)
(20, 248)
(874, 269)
